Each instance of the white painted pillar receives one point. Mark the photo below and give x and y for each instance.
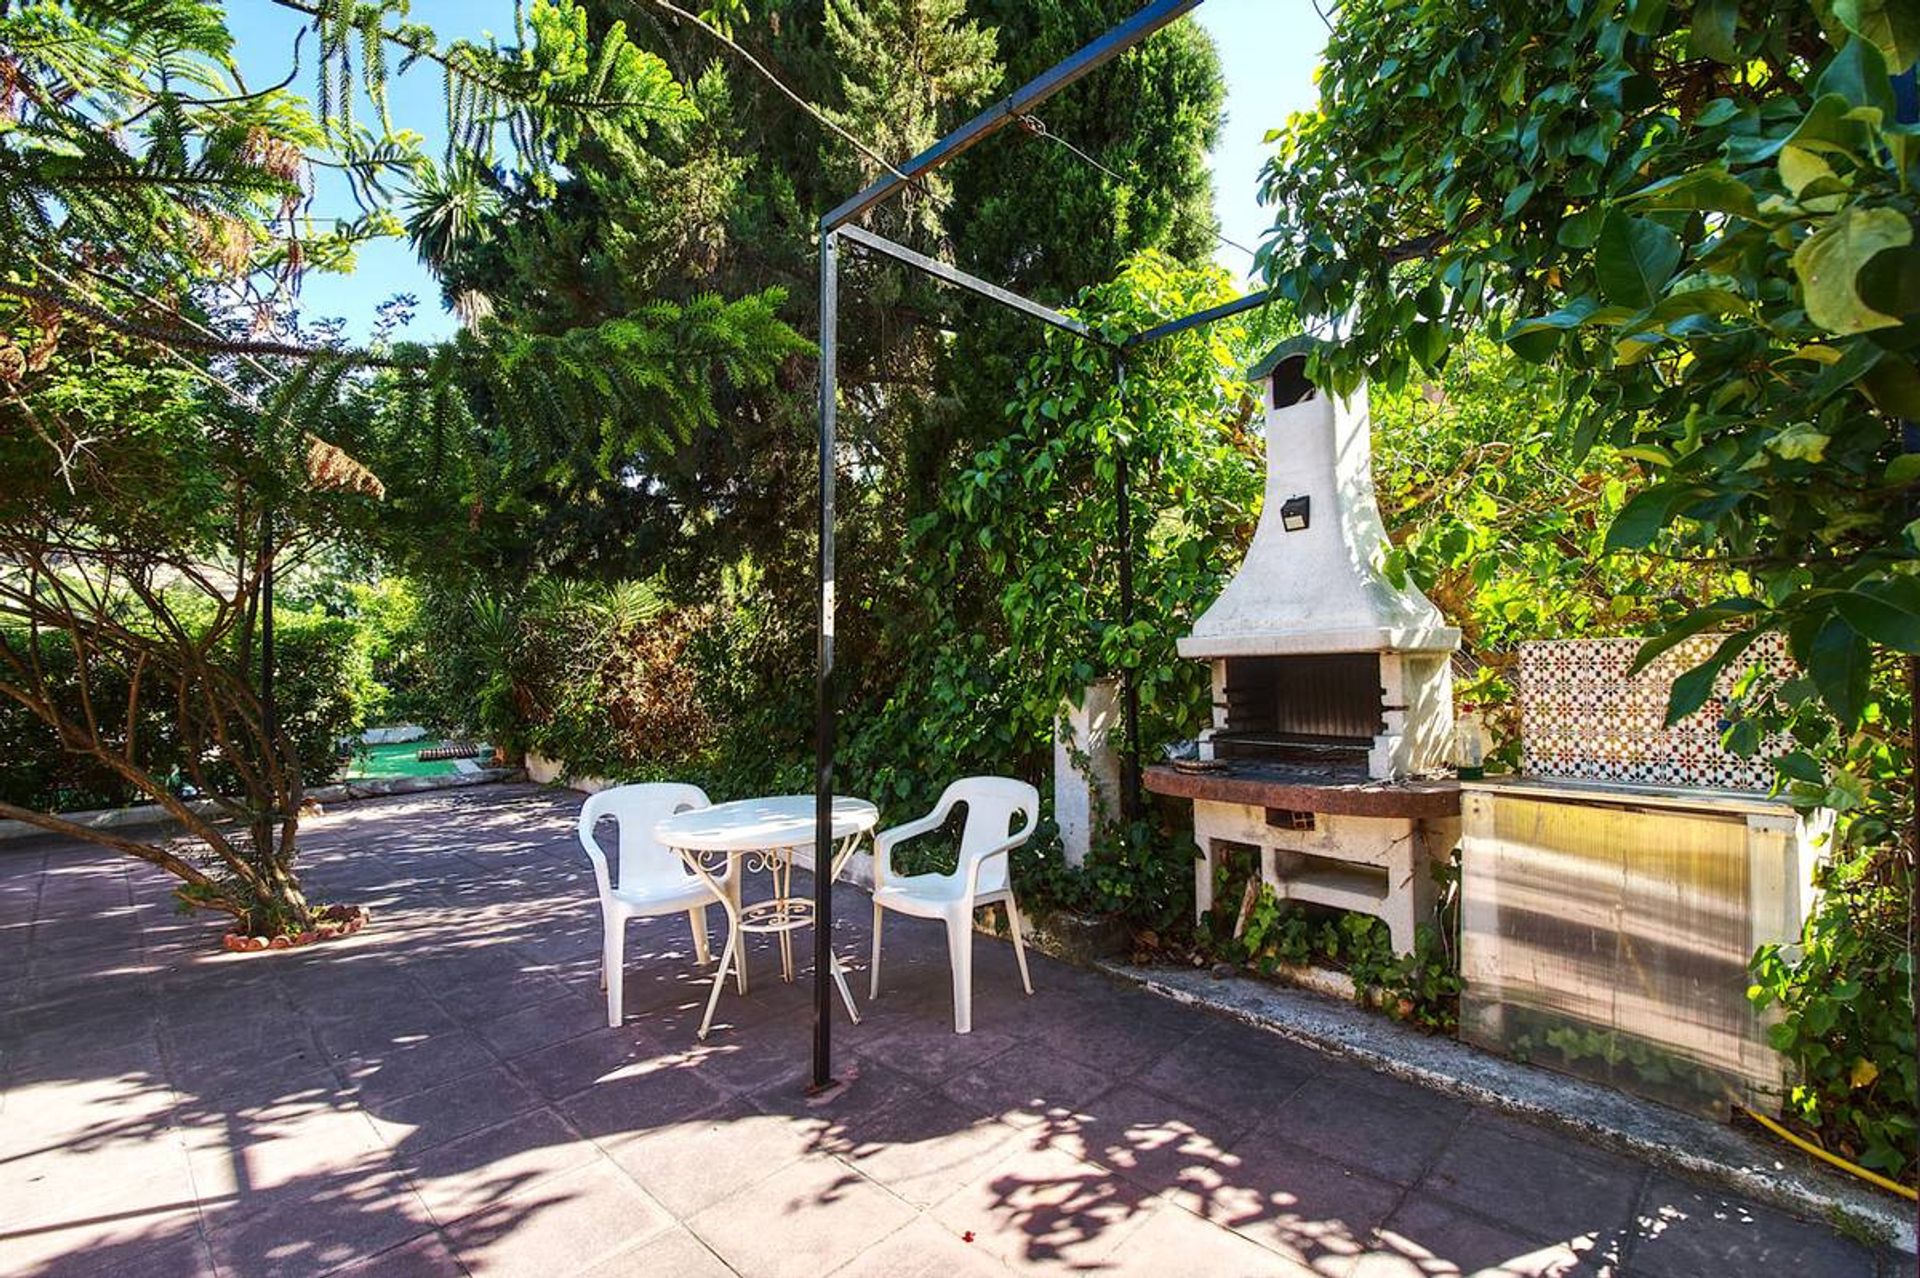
(1087, 741)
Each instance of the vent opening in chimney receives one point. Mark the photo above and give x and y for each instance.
(1290, 384)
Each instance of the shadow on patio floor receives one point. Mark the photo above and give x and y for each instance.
(441, 1094)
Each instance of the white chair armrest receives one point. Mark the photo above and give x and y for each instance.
(1014, 840)
(885, 841)
(588, 819)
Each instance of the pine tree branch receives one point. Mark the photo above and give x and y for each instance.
(245, 95)
(185, 339)
(418, 46)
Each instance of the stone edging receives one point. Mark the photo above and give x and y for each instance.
(344, 791)
(330, 923)
(152, 814)
(1695, 1147)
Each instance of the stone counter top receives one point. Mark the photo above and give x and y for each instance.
(1309, 789)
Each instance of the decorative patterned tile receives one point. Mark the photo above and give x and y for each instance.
(1583, 717)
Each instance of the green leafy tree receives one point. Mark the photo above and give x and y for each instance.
(1504, 527)
(127, 607)
(549, 451)
(1121, 169)
(1676, 206)
(729, 202)
(1017, 573)
(1700, 219)
(906, 65)
(174, 435)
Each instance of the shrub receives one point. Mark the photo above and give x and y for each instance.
(1847, 1014)
(325, 684)
(597, 678)
(36, 773)
(400, 643)
(325, 687)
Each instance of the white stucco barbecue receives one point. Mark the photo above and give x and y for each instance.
(1332, 685)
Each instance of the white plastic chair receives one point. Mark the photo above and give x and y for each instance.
(653, 879)
(980, 877)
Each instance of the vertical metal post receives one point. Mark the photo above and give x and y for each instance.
(1123, 535)
(823, 848)
(1906, 109)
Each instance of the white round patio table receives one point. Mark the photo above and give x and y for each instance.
(761, 835)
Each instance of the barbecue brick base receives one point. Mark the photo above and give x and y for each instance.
(1381, 866)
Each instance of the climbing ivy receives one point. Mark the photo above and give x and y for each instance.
(1701, 218)
(1017, 603)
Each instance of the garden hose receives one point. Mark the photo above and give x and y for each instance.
(1873, 1178)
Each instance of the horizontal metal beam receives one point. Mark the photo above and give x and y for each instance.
(1406, 251)
(1252, 301)
(1024, 99)
(972, 283)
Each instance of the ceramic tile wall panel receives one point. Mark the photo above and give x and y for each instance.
(1582, 717)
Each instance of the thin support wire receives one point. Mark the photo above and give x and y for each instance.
(1034, 126)
(819, 116)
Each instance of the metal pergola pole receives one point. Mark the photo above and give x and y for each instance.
(1123, 535)
(839, 223)
(823, 704)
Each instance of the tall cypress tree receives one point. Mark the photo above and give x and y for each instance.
(908, 69)
(730, 202)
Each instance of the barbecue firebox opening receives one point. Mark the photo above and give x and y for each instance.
(1318, 708)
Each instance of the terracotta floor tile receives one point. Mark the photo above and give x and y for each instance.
(460, 1177)
(1044, 1209)
(1175, 1241)
(922, 1250)
(427, 1256)
(633, 1102)
(675, 1253)
(1543, 1184)
(440, 1094)
(1160, 1144)
(1232, 1070)
(1029, 1085)
(450, 1110)
(1391, 1135)
(1290, 1200)
(318, 1224)
(694, 1163)
(1428, 1239)
(1683, 1229)
(924, 1150)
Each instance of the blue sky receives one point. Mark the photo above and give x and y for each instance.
(1268, 49)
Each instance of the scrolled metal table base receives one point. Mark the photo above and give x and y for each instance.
(782, 914)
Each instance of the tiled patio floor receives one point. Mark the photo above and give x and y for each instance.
(441, 1095)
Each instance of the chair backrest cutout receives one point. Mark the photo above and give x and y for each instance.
(993, 804)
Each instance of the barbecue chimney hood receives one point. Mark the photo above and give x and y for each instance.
(1311, 581)
(1332, 725)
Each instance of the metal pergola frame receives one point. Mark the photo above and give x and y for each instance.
(839, 225)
